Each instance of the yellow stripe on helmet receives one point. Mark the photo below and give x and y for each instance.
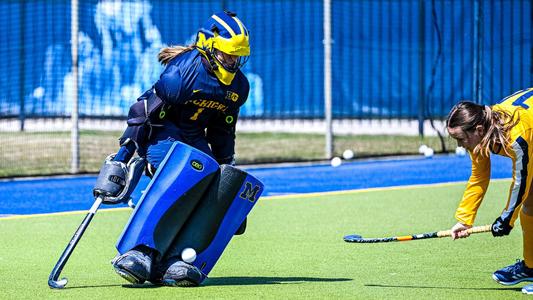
(241, 26)
(228, 28)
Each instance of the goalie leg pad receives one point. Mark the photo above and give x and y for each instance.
(178, 185)
(217, 218)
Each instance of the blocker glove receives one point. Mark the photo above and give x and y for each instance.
(117, 180)
(112, 178)
(501, 227)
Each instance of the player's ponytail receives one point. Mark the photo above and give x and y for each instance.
(168, 53)
(496, 125)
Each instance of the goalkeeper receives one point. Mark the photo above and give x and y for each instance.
(196, 102)
(503, 129)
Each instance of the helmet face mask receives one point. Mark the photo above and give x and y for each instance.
(232, 63)
(224, 42)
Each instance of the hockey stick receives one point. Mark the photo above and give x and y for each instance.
(354, 238)
(54, 275)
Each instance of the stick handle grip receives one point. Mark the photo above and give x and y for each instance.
(475, 229)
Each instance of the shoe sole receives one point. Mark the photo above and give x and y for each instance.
(180, 283)
(527, 292)
(511, 282)
(128, 276)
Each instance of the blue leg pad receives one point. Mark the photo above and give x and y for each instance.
(176, 188)
(217, 217)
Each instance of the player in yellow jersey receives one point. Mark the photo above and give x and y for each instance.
(504, 129)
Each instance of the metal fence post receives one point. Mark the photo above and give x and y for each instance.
(478, 50)
(22, 87)
(327, 79)
(75, 163)
(421, 66)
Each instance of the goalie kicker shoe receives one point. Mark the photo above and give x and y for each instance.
(181, 274)
(513, 274)
(134, 265)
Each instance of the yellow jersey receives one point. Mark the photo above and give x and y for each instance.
(520, 106)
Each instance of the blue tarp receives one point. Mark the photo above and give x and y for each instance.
(388, 56)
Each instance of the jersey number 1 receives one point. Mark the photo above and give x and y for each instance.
(520, 101)
(197, 113)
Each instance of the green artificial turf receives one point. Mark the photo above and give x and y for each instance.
(292, 248)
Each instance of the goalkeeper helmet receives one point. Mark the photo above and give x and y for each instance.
(224, 42)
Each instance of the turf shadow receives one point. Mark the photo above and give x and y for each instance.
(241, 280)
(92, 286)
(444, 287)
(221, 281)
(126, 285)
(142, 286)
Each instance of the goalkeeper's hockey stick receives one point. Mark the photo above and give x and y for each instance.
(53, 281)
(354, 238)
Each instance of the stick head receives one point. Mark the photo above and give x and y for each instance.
(59, 284)
(352, 238)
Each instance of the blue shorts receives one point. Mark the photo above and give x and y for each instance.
(164, 137)
(157, 152)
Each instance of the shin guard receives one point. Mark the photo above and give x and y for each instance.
(176, 188)
(217, 218)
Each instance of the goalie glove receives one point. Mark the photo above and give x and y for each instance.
(117, 180)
